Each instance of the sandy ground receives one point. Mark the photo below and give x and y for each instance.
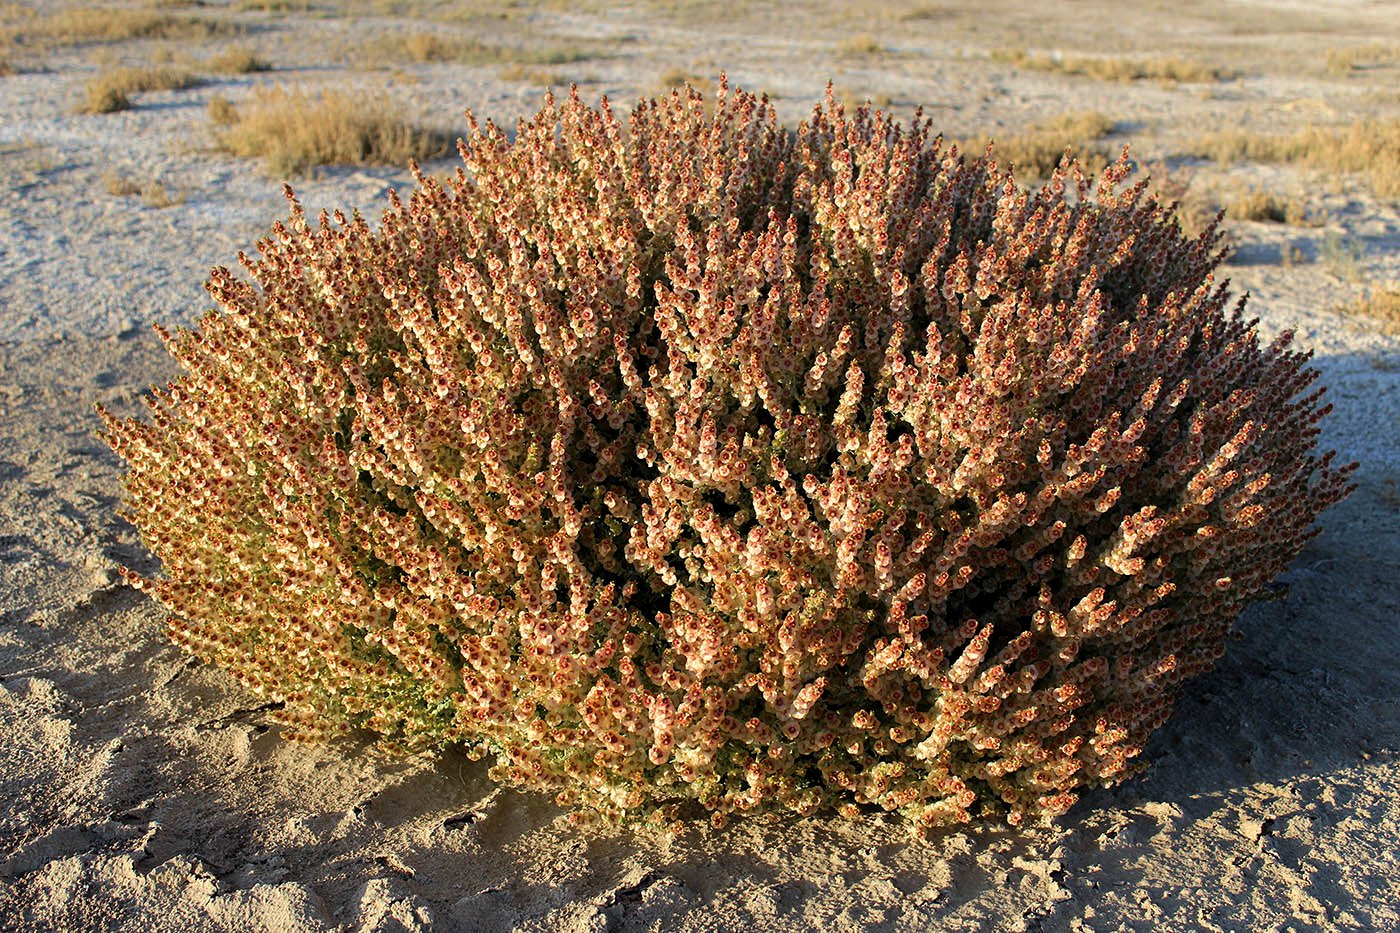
(140, 790)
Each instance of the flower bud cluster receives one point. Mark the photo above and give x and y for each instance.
(690, 458)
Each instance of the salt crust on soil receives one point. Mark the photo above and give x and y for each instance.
(142, 791)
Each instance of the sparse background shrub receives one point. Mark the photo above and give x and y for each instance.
(110, 91)
(1113, 69)
(293, 130)
(698, 460)
(1380, 307)
(96, 25)
(1033, 153)
(153, 193)
(237, 60)
(1370, 147)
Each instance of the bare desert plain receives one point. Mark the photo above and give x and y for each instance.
(140, 790)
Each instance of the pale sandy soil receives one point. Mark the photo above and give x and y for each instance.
(141, 791)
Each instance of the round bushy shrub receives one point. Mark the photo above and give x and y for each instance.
(699, 459)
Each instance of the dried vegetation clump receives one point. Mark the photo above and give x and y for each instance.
(274, 6)
(1369, 147)
(542, 77)
(222, 111)
(1380, 308)
(698, 460)
(81, 25)
(293, 131)
(1369, 57)
(237, 60)
(110, 91)
(1034, 152)
(153, 193)
(1266, 207)
(1197, 203)
(434, 48)
(675, 78)
(1114, 69)
(859, 46)
(1342, 255)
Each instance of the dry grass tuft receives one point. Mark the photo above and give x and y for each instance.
(237, 60)
(425, 47)
(293, 131)
(1362, 58)
(1368, 147)
(1267, 207)
(1193, 208)
(923, 12)
(104, 98)
(541, 77)
(1196, 205)
(474, 12)
(157, 195)
(1342, 256)
(851, 100)
(111, 91)
(274, 6)
(1114, 69)
(26, 162)
(222, 112)
(431, 48)
(82, 25)
(1381, 307)
(119, 186)
(860, 45)
(152, 193)
(679, 77)
(1036, 151)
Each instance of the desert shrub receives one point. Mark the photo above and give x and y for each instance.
(699, 460)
